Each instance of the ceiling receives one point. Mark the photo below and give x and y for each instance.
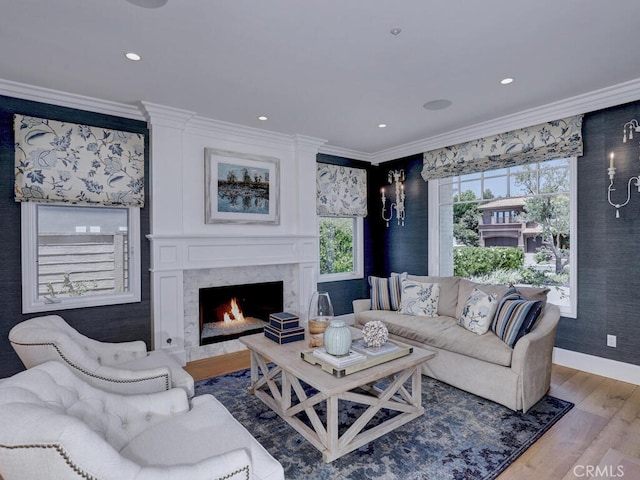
(329, 69)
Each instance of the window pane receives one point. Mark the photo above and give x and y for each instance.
(533, 218)
(470, 190)
(495, 188)
(559, 162)
(82, 251)
(470, 176)
(336, 245)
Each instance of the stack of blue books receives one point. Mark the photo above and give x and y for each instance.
(284, 327)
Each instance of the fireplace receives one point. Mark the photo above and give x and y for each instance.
(229, 312)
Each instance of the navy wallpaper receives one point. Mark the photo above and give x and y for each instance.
(109, 323)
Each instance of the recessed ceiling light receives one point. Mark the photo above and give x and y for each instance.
(395, 31)
(506, 81)
(437, 104)
(148, 3)
(263, 118)
(382, 125)
(132, 56)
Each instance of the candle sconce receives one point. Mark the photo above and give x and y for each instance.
(395, 177)
(612, 172)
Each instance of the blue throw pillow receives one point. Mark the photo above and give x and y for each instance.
(515, 317)
(385, 292)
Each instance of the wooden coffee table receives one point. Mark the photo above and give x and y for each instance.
(277, 370)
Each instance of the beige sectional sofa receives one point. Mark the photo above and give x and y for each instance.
(481, 364)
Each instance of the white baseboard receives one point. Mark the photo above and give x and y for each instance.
(625, 372)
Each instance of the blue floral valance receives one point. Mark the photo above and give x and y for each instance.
(557, 139)
(69, 163)
(341, 191)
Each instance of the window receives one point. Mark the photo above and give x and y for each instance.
(79, 256)
(531, 207)
(341, 256)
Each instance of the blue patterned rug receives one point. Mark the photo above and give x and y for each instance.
(460, 436)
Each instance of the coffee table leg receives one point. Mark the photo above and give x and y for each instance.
(332, 429)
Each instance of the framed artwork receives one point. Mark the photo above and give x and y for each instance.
(241, 188)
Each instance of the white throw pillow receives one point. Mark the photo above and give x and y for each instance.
(419, 298)
(478, 312)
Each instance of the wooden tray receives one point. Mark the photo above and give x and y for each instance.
(371, 361)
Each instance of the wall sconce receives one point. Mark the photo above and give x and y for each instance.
(631, 125)
(612, 172)
(397, 177)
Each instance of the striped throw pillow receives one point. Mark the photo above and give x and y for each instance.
(515, 317)
(385, 292)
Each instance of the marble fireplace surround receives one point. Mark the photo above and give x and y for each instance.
(182, 264)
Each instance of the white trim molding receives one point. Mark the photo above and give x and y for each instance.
(625, 372)
(588, 102)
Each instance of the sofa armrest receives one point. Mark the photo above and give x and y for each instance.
(127, 381)
(232, 465)
(532, 356)
(361, 305)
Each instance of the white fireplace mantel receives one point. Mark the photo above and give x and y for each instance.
(173, 255)
(188, 252)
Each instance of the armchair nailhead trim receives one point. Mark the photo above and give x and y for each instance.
(77, 367)
(62, 453)
(244, 469)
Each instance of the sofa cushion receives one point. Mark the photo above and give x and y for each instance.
(448, 299)
(478, 312)
(442, 332)
(207, 428)
(385, 292)
(419, 298)
(465, 288)
(515, 318)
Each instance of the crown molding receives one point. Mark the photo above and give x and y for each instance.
(218, 129)
(166, 116)
(588, 102)
(580, 104)
(70, 100)
(346, 153)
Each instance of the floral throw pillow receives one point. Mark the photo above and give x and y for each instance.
(478, 312)
(419, 298)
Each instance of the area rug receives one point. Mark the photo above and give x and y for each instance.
(460, 436)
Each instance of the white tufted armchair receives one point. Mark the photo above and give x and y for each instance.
(124, 367)
(56, 426)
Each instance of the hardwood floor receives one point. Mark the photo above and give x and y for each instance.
(598, 438)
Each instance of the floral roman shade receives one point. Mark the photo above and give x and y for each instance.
(64, 162)
(557, 139)
(341, 191)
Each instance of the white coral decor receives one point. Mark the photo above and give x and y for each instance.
(375, 333)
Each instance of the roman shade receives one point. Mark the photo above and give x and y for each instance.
(61, 162)
(341, 191)
(546, 141)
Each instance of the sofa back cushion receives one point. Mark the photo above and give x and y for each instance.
(448, 299)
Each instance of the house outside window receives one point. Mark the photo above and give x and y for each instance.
(529, 207)
(79, 256)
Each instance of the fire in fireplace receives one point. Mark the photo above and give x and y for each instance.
(229, 312)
